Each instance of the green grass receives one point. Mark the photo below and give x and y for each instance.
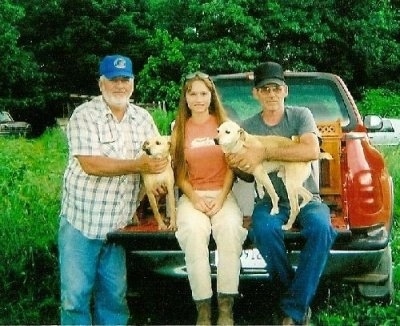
(163, 120)
(31, 174)
(30, 186)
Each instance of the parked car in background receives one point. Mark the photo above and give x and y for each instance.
(9, 127)
(383, 131)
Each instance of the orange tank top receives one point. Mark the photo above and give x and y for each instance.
(205, 160)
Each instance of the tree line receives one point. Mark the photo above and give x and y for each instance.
(50, 49)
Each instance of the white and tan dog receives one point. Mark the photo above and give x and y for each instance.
(231, 138)
(159, 147)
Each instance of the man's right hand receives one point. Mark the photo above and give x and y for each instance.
(237, 170)
(149, 165)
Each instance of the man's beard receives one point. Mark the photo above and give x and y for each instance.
(112, 100)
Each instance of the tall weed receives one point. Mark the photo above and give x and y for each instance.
(391, 155)
(163, 120)
(31, 174)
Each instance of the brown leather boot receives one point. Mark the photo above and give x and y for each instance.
(225, 305)
(203, 312)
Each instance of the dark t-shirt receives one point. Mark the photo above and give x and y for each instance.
(295, 122)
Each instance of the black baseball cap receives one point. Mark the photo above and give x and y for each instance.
(268, 73)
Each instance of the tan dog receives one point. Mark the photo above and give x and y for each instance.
(232, 138)
(159, 147)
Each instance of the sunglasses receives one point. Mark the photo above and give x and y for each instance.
(268, 89)
(199, 74)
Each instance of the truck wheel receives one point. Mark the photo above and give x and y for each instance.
(383, 292)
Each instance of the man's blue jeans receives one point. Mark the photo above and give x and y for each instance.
(91, 270)
(298, 287)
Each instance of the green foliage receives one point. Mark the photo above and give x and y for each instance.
(52, 48)
(344, 307)
(222, 36)
(383, 102)
(158, 79)
(20, 79)
(163, 120)
(82, 31)
(10, 14)
(29, 206)
(392, 157)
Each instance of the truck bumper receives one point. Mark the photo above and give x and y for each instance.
(354, 255)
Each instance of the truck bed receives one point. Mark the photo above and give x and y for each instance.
(140, 236)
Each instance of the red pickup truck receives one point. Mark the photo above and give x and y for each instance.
(355, 184)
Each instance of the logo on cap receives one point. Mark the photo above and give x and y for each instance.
(120, 63)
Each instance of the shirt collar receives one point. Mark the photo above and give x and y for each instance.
(107, 114)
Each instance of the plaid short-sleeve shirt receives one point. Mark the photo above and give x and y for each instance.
(96, 205)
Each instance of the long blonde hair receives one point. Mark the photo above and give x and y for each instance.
(178, 133)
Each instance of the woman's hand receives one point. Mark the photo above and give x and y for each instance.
(200, 203)
(207, 205)
(214, 206)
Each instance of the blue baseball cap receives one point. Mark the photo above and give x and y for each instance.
(113, 66)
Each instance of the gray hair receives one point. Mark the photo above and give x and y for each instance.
(102, 78)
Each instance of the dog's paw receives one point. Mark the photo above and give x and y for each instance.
(172, 227)
(135, 219)
(162, 227)
(260, 190)
(286, 227)
(274, 211)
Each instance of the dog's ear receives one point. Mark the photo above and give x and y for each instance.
(168, 139)
(242, 134)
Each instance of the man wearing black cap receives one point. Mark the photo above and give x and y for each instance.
(297, 288)
(101, 185)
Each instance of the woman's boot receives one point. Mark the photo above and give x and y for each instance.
(203, 312)
(225, 305)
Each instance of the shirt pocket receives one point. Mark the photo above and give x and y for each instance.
(109, 140)
(107, 133)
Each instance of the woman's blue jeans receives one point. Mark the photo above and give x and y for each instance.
(298, 287)
(93, 279)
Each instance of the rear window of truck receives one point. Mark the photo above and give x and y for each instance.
(321, 96)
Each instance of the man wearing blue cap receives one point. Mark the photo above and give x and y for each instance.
(101, 185)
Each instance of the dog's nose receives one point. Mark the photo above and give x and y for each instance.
(216, 141)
